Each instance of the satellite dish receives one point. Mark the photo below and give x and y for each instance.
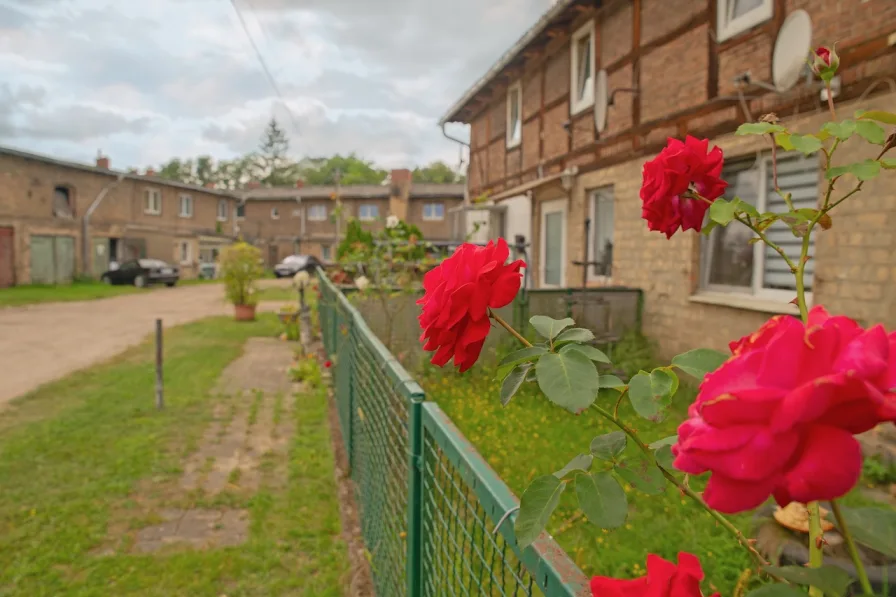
(791, 49)
(600, 101)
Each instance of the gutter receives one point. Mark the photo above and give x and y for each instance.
(85, 223)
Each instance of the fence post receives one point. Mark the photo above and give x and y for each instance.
(415, 497)
(350, 373)
(160, 396)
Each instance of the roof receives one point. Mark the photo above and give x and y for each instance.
(419, 190)
(509, 56)
(113, 173)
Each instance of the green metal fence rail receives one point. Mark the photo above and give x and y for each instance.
(429, 503)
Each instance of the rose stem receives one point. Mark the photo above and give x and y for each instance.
(853, 551)
(685, 489)
(500, 321)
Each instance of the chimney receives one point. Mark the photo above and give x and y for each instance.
(253, 184)
(399, 193)
(209, 185)
(150, 172)
(102, 161)
(300, 183)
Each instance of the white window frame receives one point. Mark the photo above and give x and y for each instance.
(222, 214)
(188, 201)
(549, 207)
(756, 291)
(189, 252)
(275, 213)
(314, 216)
(236, 211)
(152, 202)
(577, 105)
(593, 195)
(727, 27)
(433, 218)
(368, 218)
(514, 140)
(326, 252)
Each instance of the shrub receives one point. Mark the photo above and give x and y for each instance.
(240, 266)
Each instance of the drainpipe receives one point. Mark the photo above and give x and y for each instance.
(85, 222)
(466, 183)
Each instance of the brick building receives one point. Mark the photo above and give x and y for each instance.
(677, 67)
(45, 208)
(301, 220)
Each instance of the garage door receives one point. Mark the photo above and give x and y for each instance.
(52, 259)
(7, 264)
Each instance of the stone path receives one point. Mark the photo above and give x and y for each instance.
(243, 448)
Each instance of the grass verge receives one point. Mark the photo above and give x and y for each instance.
(16, 296)
(75, 449)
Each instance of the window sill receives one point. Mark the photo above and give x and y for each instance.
(746, 302)
(367, 219)
(433, 219)
(513, 143)
(220, 219)
(186, 217)
(152, 213)
(576, 109)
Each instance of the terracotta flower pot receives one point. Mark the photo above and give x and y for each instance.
(244, 312)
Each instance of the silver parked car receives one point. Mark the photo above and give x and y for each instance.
(294, 264)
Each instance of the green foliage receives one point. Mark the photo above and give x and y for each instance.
(568, 379)
(537, 504)
(873, 527)
(864, 170)
(345, 170)
(438, 172)
(841, 130)
(240, 267)
(513, 382)
(642, 474)
(833, 581)
(609, 446)
(548, 327)
(699, 362)
(602, 500)
(651, 393)
(878, 472)
(591, 352)
(805, 144)
(355, 239)
(877, 115)
(582, 462)
(871, 132)
(777, 590)
(759, 128)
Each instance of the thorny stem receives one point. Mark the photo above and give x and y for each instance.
(831, 100)
(684, 488)
(816, 543)
(500, 321)
(851, 547)
(749, 224)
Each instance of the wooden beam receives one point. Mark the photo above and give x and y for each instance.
(712, 78)
(544, 71)
(695, 21)
(636, 67)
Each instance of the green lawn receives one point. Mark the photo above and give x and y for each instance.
(74, 451)
(77, 291)
(531, 437)
(282, 293)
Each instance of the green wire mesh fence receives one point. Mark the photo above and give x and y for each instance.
(434, 515)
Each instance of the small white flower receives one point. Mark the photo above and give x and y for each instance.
(361, 282)
(301, 279)
(391, 221)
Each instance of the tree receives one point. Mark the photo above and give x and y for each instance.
(438, 172)
(274, 168)
(351, 170)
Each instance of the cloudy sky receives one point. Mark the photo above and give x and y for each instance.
(146, 81)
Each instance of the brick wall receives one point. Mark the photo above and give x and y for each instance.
(433, 229)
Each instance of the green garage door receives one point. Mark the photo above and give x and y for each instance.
(52, 259)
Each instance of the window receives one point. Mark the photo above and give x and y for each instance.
(736, 16)
(600, 233)
(186, 252)
(317, 213)
(368, 212)
(325, 252)
(241, 211)
(152, 202)
(553, 245)
(62, 203)
(186, 206)
(275, 213)
(514, 114)
(582, 65)
(222, 210)
(728, 262)
(433, 211)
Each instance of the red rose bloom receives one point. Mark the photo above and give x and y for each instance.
(778, 417)
(328, 364)
(457, 296)
(663, 579)
(681, 167)
(825, 54)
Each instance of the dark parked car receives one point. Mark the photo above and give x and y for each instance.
(294, 264)
(143, 272)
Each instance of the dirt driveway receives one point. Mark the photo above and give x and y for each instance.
(41, 343)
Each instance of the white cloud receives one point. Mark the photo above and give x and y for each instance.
(152, 80)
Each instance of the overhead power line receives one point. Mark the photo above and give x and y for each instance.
(264, 65)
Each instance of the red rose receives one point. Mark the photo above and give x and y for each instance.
(679, 168)
(457, 296)
(825, 62)
(825, 55)
(664, 579)
(778, 417)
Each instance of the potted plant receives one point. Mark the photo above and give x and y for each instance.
(240, 267)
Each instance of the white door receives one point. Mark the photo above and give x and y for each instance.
(553, 243)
